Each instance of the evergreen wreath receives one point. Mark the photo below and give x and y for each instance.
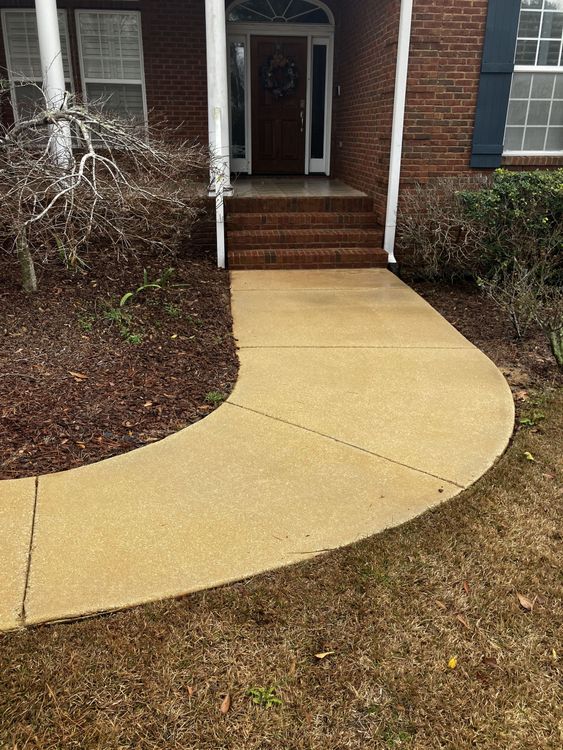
(279, 75)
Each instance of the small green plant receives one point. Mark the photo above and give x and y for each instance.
(533, 419)
(264, 697)
(122, 320)
(396, 738)
(158, 284)
(172, 310)
(215, 398)
(86, 321)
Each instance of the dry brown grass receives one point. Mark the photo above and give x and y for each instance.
(394, 609)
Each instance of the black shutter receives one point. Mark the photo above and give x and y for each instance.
(494, 87)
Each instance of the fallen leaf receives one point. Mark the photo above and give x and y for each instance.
(464, 621)
(452, 664)
(78, 376)
(466, 587)
(191, 691)
(226, 704)
(292, 667)
(521, 396)
(147, 404)
(525, 603)
(440, 604)
(528, 456)
(324, 654)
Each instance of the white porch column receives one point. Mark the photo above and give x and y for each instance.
(397, 132)
(53, 75)
(218, 113)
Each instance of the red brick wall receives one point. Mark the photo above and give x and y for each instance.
(366, 44)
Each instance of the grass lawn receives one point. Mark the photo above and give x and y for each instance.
(431, 645)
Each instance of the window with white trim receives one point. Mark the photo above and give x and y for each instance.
(111, 61)
(534, 122)
(23, 59)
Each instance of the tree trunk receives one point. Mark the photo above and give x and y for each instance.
(29, 279)
(556, 341)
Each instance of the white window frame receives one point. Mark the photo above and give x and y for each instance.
(15, 77)
(112, 81)
(553, 69)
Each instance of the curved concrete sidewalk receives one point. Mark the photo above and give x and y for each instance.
(357, 408)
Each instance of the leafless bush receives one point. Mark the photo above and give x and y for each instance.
(121, 187)
(528, 291)
(433, 229)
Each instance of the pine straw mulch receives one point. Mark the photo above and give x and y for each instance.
(82, 379)
(394, 610)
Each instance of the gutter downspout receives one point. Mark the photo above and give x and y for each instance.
(397, 131)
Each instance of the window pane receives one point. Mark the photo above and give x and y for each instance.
(238, 104)
(319, 101)
(554, 139)
(552, 27)
(556, 117)
(529, 25)
(542, 86)
(534, 139)
(29, 99)
(521, 83)
(513, 139)
(531, 4)
(517, 112)
(526, 52)
(549, 53)
(538, 113)
(123, 100)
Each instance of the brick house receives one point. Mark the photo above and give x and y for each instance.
(320, 113)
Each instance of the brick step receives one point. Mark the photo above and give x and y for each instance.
(320, 219)
(290, 258)
(311, 204)
(271, 239)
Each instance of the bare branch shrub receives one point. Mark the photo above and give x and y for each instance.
(434, 232)
(122, 187)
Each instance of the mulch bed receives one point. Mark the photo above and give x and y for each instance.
(83, 379)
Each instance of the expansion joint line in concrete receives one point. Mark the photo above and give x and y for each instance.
(348, 445)
(361, 346)
(29, 553)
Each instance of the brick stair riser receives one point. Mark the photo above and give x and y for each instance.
(351, 258)
(246, 222)
(302, 241)
(298, 205)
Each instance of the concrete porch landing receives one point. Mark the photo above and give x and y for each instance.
(357, 408)
(293, 187)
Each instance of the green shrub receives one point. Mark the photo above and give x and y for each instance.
(521, 219)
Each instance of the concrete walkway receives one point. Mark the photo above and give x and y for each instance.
(357, 408)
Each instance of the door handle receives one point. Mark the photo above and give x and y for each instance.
(302, 116)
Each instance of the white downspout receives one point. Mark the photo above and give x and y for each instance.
(52, 71)
(218, 114)
(397, 132)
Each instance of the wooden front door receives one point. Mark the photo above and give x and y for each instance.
(279, 95)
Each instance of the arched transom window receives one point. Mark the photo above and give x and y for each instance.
(279, 11)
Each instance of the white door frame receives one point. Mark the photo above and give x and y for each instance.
(316, 34)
